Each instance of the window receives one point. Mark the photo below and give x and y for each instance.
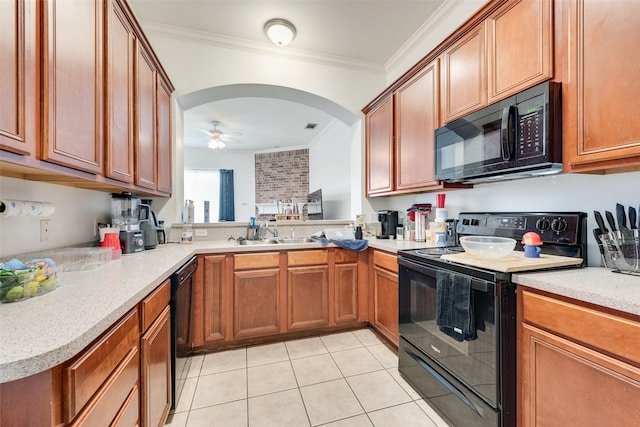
(203, 186)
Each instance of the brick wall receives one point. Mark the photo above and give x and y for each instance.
(282, 175)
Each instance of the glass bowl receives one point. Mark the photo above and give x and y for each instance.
(488, 247)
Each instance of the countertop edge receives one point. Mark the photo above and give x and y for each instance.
(595, 285)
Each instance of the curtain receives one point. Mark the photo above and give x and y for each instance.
(227, 212)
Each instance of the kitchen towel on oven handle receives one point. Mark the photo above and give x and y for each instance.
(454, 314)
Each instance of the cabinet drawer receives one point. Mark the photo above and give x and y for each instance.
(253, 261)
(385, 260)
(314, 257)
(128, 415)
(111, 399)
(344, 256)
(85, 375)
(153, 304)
(610, 333)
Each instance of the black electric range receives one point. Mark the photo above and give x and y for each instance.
(457, 321)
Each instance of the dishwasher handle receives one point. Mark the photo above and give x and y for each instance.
(186, 270)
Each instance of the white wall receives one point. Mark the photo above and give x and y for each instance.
(71, 224)
(566, 192)
(330, 170)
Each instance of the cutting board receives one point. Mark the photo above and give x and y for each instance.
(514, 262)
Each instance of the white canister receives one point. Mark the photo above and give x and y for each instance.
(440, 227)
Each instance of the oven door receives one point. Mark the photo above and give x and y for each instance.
(470, 356)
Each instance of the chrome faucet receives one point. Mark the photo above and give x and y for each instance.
(265, 226)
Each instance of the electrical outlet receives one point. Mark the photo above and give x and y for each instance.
(202, 233)
(44, 229)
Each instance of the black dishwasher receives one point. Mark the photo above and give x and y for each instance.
(181, 286)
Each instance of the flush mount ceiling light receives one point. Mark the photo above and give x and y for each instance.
(280, 31)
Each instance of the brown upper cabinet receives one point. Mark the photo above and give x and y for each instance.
(379, 148)
(120, 48)
(72, 84)
(509, 51)
(464, 72)
(145, 137)
(600, 91)
(85, 101)
(400, 140)
(18, 77)
(163, 137)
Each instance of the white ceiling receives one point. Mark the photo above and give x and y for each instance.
(369, 32)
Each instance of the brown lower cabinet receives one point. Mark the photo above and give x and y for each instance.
(578, 365)
(383, 295)
(244, 298)
(122, 379)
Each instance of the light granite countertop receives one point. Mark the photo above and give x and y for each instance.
(39, 333)
(595, 285)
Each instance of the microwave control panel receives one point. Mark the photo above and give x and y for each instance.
(531, 117)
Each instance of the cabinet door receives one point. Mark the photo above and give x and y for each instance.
(256, 303)
(520, 54)
(346, 293)
(18, 76)
(379, 148)
(145, 146)
(72, 92)
(564, 383)
(163, 128)
(464, 75)
(384, 303)
(601, 88)
(155, 370)
(307, 297)
(214, 309)
(416, 119)
(120, 68)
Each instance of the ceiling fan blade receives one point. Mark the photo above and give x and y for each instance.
(206, 131)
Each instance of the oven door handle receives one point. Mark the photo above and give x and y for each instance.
(476, 284)
(445, 383)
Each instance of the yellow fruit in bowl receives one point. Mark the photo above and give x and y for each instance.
(31, 289)
(49, 284)
(14, 294)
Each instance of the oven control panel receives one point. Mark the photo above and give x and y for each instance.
(558, 227)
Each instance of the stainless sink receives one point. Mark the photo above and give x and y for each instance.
(296, 240)
(278, 240)
(258, 242)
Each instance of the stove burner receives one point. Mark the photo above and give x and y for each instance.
(439, 251)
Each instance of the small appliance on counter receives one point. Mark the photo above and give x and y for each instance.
(148, 227)
(125, 214)
(389, 222)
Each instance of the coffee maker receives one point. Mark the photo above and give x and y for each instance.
(154, 233)
(125, 214)
(389, 222)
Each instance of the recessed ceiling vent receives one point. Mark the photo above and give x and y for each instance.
(311, 125)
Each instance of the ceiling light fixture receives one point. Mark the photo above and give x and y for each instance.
(216, 143)
(280, 31)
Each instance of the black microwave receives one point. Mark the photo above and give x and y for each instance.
(518, 137)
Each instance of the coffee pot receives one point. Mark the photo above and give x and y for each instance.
(148, 226)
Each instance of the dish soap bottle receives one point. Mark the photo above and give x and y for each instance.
(187, 234)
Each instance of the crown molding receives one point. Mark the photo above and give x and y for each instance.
(259, 48)
(445, 9)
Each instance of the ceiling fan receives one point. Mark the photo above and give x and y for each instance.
(217, 137)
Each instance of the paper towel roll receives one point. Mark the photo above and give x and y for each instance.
(25, 208)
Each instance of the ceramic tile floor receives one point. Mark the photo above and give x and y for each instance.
(347, 379)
